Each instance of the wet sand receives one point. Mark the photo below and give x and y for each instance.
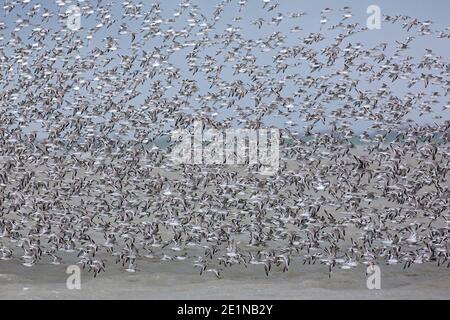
(177, 280)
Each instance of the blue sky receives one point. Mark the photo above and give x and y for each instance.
(436, 10)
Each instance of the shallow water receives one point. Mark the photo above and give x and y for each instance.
(177, 280)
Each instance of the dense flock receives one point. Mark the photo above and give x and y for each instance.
(87, 115)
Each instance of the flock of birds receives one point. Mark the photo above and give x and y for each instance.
(86, 117)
